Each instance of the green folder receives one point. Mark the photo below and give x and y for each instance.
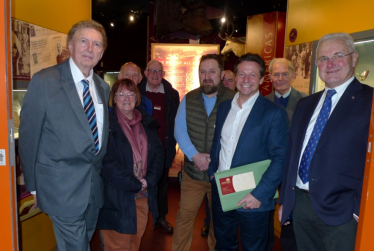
(238, 178)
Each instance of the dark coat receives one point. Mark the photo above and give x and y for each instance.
(171, 107)
(337, 167)
(120, 183)
(264, 136)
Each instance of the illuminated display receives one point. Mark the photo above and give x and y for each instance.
(181, 63)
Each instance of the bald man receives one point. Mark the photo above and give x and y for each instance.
(131, 71)
(229, 79)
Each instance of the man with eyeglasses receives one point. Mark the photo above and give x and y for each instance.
(63, 138)
(282, 74)
(165, 100)
(325, 161)
(131, 71)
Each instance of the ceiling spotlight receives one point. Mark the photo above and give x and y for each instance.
(223, 20)
(112, 24)
(131, 18)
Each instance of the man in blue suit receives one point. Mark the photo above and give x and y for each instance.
(249, 129)
(323, 174)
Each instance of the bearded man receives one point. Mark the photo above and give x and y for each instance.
(194, 130)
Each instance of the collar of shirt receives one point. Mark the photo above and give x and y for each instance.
(341, 88)
(247, 104)
(339, 93)
(334, 100)
(160, 89)
(77, 74)
(285, 95)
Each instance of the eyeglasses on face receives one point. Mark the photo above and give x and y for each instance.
(335, 58)
(122, 95)
(152, 71)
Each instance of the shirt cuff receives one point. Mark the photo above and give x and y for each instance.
(190, 153)
(33, 192)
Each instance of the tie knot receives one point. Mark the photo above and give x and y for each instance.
(330, 93)
(85, 82)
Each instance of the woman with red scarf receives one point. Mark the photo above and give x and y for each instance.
(131, 170)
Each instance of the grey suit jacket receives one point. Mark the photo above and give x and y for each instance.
(56, 146)
(292, 101)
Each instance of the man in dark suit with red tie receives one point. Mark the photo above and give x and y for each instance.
(325, 161)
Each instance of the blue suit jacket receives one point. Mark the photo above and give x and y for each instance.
(337, 166)
(264, 136)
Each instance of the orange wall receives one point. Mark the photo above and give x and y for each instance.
(314, 18)
(8, 229)
(54, 15)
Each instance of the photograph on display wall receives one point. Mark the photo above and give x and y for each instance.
(48, 48)
(21, 49)
(181, 66)
(35, 48)
(301, 57)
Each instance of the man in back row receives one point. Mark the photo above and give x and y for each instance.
(282, 74)
(229, 79)
(325, 162)
(131, 71)
(165, 100)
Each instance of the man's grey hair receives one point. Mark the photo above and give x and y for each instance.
(91, 24)
(341, 36)
(155, 61)
(291, 67)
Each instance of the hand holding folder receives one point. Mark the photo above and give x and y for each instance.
(234, 184)
(249, 202)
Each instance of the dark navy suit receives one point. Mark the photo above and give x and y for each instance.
(264, 136)
(337, 167)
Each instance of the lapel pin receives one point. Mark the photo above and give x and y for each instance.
(353, 97)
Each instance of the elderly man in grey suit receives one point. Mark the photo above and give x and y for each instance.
(63, 138)
(282, 74)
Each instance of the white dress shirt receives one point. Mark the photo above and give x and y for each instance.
(284, 95)
(232, 128)
(334, 100)
(99, 108)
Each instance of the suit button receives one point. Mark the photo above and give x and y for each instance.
(293, 188)
(92, 150)
(93, 162)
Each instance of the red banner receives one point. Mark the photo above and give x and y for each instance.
(268, 48)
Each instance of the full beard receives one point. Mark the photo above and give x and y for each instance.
(209, 89)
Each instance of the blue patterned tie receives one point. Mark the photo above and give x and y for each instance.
(89, 109)
(323, 116)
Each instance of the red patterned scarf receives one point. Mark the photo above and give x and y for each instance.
(134, 132)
